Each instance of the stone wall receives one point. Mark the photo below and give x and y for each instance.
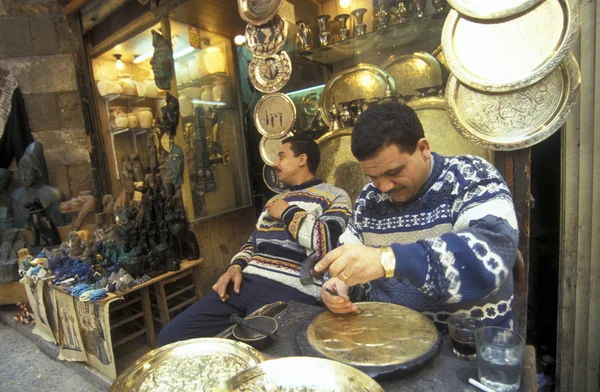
(36, 45)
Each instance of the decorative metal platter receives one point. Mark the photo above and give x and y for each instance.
(267, 39)
(381, 339)
(269, 148)
(274, 115)
(512, 53)
(191, 365)
(515, 120)
(438, 53)
(440, 132)
(258, 12)
(271, 73)
(338, 166)
(302, 374)
(413, 71)
(272, 181)
(363, 81)
(485, 9)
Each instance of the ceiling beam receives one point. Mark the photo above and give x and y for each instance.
(73, 6)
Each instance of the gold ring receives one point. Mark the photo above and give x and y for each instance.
(344, 276)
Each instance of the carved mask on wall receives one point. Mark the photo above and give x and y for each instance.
(162, 61)
(175, 165)
(170, 114)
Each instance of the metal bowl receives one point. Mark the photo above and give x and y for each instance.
(252, 337)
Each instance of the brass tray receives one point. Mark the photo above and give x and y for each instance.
(191, 365)
(271, 73)
(267, 39)
(485, 9)
(515, 120)
(338, 166)
(258, 12)
(440, 132)
(269, 148)
(381, 339)
(512, 53)
(274, 115)
(363, 81)
(306, 374)
(413, 71)
(272, 181)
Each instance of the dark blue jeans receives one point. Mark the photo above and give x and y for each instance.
(210, 315)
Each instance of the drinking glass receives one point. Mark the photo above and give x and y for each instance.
(462, 334)
(499, 358)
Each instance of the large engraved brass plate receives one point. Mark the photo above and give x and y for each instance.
(381, 334)
(440, 132)
(363, 81)
(338, 166)
(274, 115)
(269, 148)
(267, 39)
(271, 73)
(413, 71)
(512, 53)
(515, 120)
(486, 9)
(191, 365)
(302, 374)
(272, 181)
(258, 12)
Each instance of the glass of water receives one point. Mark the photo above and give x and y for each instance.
(499, 358)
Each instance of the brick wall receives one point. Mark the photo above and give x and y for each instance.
(36, 45)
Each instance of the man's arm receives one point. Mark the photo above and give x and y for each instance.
(246, 251)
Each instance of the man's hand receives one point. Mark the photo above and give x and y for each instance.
(233, 273)
(353, 264)
(340, 303)
(276, 207)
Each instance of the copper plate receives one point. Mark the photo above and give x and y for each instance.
(413, 71)
(515, 120)
(269, 148)
(363, 81)
(338, 166)
(191, 365)
(271, 73)
(274, 115)
(306, 374)
(486, 9)
(509, 54)
(267, 39)
(258, 12)
(272, 181)
(440, 132)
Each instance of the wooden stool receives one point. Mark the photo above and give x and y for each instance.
(162, 298)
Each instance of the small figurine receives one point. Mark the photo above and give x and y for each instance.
(84, 204)
(43, 227)
(170, 113)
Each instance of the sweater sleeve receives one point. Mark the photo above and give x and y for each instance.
(242, 258)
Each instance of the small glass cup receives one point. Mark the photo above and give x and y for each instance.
(499, 358)
(462, 334)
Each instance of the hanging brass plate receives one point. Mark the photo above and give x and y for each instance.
(267, 39)
(270, 74)
(518, 119)
(509, 54)
(413, 71)
(272, 181)
(258, 12)
(486, 9)
(274, 115)
(269, 148)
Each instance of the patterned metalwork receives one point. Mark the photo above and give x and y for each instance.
(274, 115)
(267, 39)
(272, 181)
(258, 12)
(491, 9)
(270, 74)
(269, 148)
(413, 71)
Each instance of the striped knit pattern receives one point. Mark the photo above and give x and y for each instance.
(455, 243)
(317, 216)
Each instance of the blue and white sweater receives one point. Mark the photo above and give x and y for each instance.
(317, 216)
(455, 243)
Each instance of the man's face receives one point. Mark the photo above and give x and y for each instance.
(287, 165)
(397, 173)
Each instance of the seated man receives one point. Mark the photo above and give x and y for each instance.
(433, 233)
(308, 217)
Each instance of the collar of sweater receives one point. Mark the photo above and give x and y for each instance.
(306, 184)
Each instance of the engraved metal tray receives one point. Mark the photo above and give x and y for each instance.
(274, 115)
(440, 132)
(272, 181)
(515, 120)
(382, 339)
(511, 53)
(363, 81)
(267, 39)
(486, 9)
(191, 365)
(270, 147)
(258, 12)
(271, 73)
(413, 71)
(302, 374)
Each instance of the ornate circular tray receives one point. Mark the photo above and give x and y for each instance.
(381, 340)
(269, 148)
(271, 73)
(305, 374)
(274, 115)
(485, 9)
(512, 53)
(258, 12)
(440, 132)
(338, 166)
(363, 81)
(272, 181)
(267, 39)
(191, 365)
(515, 120)
(413, 71)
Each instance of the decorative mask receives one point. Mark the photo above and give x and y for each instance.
(175, 165)
(162, 61)
(170, 113)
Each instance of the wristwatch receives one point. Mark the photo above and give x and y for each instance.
(388, 261)
(234, 265)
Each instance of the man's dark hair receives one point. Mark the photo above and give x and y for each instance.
(304, 144)
(383, 125)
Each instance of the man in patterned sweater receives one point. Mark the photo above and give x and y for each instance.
(307, 218)
(434, 233)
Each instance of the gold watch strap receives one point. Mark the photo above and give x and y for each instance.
(388, 261)
(234, 265)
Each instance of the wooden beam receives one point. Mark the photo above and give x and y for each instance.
(97, 11)
(73, 6)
